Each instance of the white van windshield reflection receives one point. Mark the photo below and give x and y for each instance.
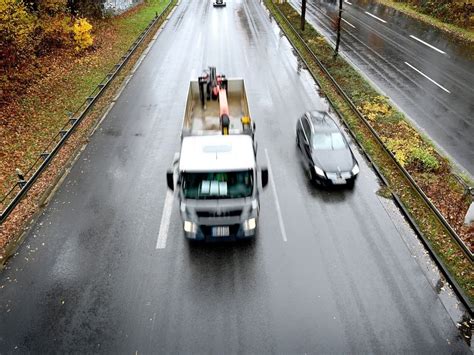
(215, 185)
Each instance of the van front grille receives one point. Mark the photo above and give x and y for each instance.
(213, 214)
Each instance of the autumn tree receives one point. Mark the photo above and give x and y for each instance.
(17, 26)
(88, 8)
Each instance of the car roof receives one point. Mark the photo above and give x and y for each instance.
(217, 153)
(322, 121)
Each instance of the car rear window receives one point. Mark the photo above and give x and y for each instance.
(328, 141)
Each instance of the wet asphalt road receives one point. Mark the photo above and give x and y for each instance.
(404, 68)
(89, 278)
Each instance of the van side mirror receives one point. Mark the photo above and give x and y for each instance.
(264, 176)
(170, 179)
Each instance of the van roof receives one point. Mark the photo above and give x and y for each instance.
(217, 153)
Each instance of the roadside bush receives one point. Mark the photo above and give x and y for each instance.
(82, 34)
(410, 150)
(16, 31)
(55, 32)
(451, 11)
(424, 159)
(52, 7)
(375, 109)
(30, 29)
(87, 8)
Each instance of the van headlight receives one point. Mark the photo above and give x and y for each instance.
(318, 171)
(190, 227)
(250, 224)
(355, 169)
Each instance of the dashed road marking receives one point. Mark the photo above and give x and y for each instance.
(427, 77)
(375, 17)
(427, 44)
(165, 220)
(272, 182)
(350, 24)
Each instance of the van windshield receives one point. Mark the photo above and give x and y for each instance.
(215, 185)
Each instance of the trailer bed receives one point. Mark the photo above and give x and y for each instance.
(199, 120)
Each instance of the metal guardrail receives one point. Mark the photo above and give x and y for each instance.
(43, 160)
(404, 172)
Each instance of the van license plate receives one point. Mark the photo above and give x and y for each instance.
(339, 181)
(220, 231)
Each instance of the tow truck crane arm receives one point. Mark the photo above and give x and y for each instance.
(216, 87)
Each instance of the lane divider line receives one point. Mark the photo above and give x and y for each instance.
(275, 195)
(350, 24)
(427, 77)
(427, 44)
(375, 17)
(347, 2)
(165, 221)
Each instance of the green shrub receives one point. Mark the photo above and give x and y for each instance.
(427, 160)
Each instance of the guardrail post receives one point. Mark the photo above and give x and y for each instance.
(21, 178)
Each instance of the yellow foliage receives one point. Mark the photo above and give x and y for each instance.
(55, 31)
(399, 148)
(16, 25)
(375, 109)
(52, 7)
(82, 34)
(411, 148)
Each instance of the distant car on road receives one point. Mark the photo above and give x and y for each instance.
(219, 3)
(325, 151)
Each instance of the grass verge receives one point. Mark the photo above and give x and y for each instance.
(82, 80)
(430, 170)
(456, 31)
(32, 120)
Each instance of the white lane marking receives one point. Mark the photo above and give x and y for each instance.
(165, 221)
(102, 119)
(272, 182)
(375, 17)
(427, 44)
(427, 77)
(350, 24)
(347, 2)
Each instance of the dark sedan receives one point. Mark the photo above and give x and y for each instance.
(325, 151)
